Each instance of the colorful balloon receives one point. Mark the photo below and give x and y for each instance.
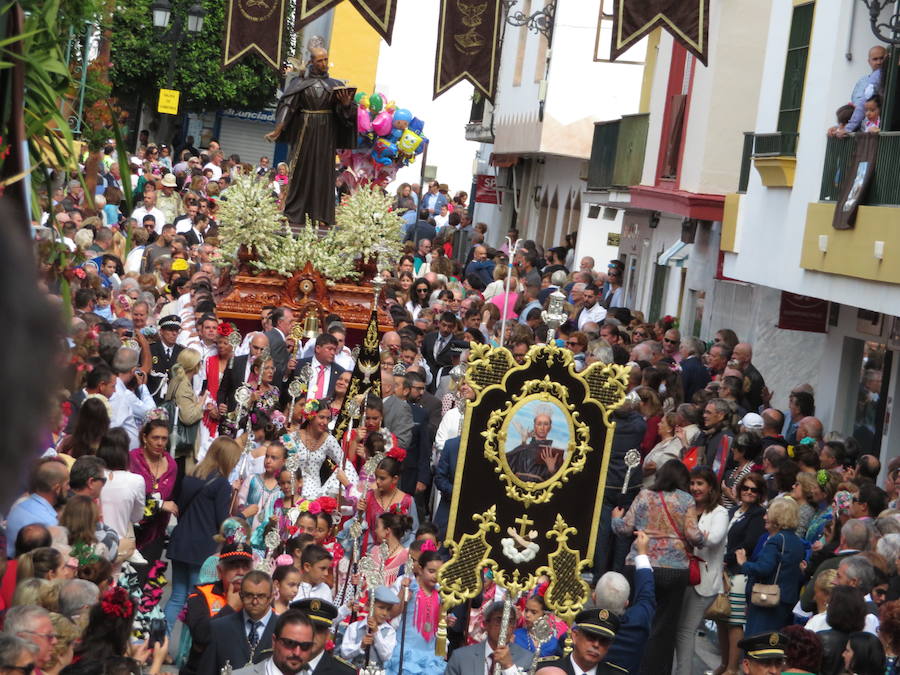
(402, 118)
(360, 95)
(382, 123)
(416, 125)
(376, 103)
(363, 121)
(408, 142)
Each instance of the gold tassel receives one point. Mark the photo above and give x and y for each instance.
(440, 644)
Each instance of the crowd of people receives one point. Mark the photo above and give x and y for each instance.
(177, 448)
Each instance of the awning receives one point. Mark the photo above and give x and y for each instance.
(677, 253)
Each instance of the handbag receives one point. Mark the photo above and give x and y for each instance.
(693, 561)
(182, 437)
(720, 609)
(768, 595)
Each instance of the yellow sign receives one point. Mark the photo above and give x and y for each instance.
(168, 101)
(613, 239)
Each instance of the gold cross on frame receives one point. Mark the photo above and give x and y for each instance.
(524, 522)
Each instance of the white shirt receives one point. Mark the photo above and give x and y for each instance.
(217, 170)
(385, 641)
(320, 591)
(122, 500)
(714, 524)
(312, 388)
(271, 668)
(597, 314)
(579, 671)
(129, 410)
(139, 213)
(261, 628)
(133, 259)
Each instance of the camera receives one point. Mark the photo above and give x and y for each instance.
(157, 633)
(138, 372)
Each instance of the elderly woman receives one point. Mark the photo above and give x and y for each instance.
(823, 494)
(667, 513)
(804, 493)
(778, 562)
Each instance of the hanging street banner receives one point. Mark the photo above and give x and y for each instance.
(468, 46)
(254, 25)
(379, 14)
(686, 20)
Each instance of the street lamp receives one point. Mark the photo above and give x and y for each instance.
(161, 9)
(195, 18)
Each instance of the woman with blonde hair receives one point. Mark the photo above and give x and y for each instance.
(67, 634)
(185, 409)
(204, 503)
(80, 517)
(41, 563)
(29, 592)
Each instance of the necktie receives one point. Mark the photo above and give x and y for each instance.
(490, 665)
(253, 635)
(168, 353)
(320, 383)
(438, 345)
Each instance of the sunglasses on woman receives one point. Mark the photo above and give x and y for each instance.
(750, 488)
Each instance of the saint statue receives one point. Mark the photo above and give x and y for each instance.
(316, 115)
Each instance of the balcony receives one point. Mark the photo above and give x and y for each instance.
(617, 153)
(774, 155)
(885, 187)
(478, 128)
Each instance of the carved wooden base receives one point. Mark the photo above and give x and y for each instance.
(305, 292)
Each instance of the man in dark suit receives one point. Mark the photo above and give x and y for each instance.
(280, 344)
(242, 636)
(479, 658)
(238, 373)
(197, 234)
(163, 355)
(418, 393)
(421, 229)
(324, 371)
(436, 346)
(444, 475)
(415, 474)
(694, 375)
(322, 615)
(636, 620)
(592, 634)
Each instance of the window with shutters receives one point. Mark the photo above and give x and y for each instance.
(795, 68)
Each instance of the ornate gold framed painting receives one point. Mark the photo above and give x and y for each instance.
(529, 479)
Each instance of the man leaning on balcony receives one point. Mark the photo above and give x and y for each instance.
(865, 87)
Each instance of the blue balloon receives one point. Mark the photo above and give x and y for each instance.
(395, 134)
(417, 125)
(403, 115)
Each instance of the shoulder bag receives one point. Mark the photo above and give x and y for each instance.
(768, 595)
(693, 561)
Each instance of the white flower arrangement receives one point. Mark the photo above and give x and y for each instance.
(365, 228)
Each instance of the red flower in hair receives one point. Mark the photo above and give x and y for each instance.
(327, 504)
(117, 602)
(398, 508)
(428, 545)
(225, 329)
(315, 507)
(396, 453)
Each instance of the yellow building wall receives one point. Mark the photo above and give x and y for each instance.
(851, 252)
(354, 48)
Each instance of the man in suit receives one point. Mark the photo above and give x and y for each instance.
(398, 417)
(197, 234)
(612, 592)
(421, 229)
(592, 634)
(324, 372)
(481, 657)
(694, 375)
(244, 636)
(322, 615)
(419, 394)
(444, 475)
(436, 346)
(292, 645)
(415, 476)
(163, 355)
(239, 372)
(280, 344)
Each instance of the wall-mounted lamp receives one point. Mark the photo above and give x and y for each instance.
(879, 250)
(823, 243)
(654, 220)
(536, 195)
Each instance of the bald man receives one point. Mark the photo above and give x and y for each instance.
(481, 266)
(753, 382)
(239, 372)
(49, 487)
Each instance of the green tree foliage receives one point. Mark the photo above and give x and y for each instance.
(140, 62)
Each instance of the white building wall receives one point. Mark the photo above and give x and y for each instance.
(771, 220)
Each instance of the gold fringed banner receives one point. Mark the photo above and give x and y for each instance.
(254, 25)
(686, 20)
(468, 45)
(379, 14)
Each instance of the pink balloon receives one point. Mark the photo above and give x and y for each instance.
(363, 121)
(383, 123)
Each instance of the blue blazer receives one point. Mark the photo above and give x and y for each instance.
(694, 376)
(443, 480)
(202, 506)
(764, 567)
(627, 649)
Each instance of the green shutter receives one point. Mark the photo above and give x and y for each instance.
(795, 68)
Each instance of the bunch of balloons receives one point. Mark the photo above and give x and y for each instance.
(393, 134)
